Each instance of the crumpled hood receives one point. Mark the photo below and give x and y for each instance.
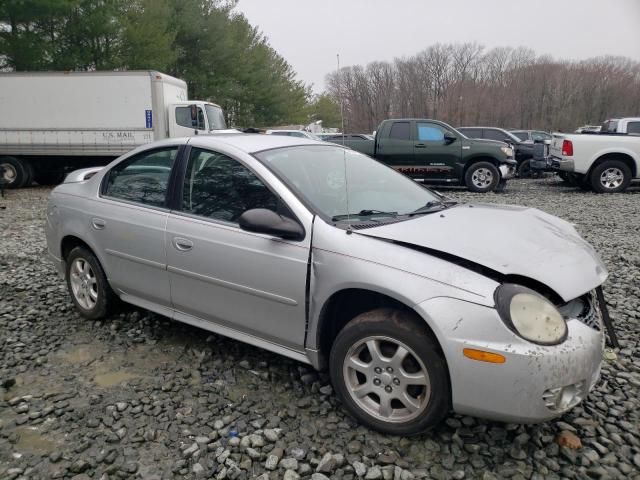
(508, 239)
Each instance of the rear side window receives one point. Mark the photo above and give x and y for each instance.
(633, 127)
(494, 135)
(472, 132)
(523, 135)
(221, 188)
(430, 132)
(400, 131)
(143, 178)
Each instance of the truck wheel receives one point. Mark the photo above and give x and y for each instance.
(48, 178)
(88, 285)
(611, 176)
(524, 169)
(390, 373)
(15, 173)
(482, 177)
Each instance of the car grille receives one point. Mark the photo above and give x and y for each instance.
(586, 309)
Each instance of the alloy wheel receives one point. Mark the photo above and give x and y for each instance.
(611, 178)
(84, 284)
(482, 177)
(386, 379)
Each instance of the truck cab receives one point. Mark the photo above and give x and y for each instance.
(187, 119)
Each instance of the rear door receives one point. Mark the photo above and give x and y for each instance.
(431, 150)
(129, 221)
(396, 149)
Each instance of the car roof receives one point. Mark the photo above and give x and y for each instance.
(252, 142)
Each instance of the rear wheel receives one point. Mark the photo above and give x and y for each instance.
(389, 372)
(611, 176)
(14, 172)
(88, 285)
(482, 177)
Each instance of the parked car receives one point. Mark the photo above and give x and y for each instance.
(531, 136)
(415, 304)
(523, 150)
(605, 163)
(430, 151)
(293, 133)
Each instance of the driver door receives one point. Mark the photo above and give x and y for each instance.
(438, 156)
(247, 282)
(187, 121)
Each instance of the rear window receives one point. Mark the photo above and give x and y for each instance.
(633, 128)
(610, 126)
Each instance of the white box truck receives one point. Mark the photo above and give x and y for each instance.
(55, 122)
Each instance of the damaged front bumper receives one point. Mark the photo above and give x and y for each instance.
(535, 383)
(507, 171)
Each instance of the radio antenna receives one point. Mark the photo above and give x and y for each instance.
(344, 151)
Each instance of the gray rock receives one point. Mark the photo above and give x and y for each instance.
(374, 473)
(327, 464)
(359, 468)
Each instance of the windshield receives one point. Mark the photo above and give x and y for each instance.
(216, 117)
(336, 181)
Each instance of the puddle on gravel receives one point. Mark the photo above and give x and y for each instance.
(111, 379)
(108, 369)
(31, 440)
(82, 354)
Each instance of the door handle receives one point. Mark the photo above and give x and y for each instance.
(182, 244)
(420, 145)
(98, 223)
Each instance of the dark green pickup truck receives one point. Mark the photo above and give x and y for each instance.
(434, 152)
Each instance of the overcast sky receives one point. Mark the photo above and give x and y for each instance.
(309, 33)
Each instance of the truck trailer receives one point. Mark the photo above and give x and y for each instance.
(55, 122)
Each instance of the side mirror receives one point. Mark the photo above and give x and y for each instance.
(262, 220)
(449, 138)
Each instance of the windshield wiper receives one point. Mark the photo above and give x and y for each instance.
(363, 213)
(432, 206)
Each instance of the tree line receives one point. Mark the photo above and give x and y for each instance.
(462, 84)
(221, 56)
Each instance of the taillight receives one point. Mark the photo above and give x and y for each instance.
(567, 148)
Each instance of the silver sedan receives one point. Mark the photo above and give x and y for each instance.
(416, 305)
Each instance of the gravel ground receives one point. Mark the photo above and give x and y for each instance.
(139, 396)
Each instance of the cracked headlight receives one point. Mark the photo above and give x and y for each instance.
(508, 151)
(530, 315)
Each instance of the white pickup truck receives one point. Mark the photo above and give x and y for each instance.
(605, 162)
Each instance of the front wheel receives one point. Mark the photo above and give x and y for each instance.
(482, 177)
(611, 176)
(524, 169)
(88, 285)
(390, 373)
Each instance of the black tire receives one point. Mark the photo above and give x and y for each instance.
(15, 172)
(406, 328)
(583, 183)
(524, 169)
(618, 168)
(105, 300)
(473, 186)
(46, 178)
(565, 177)
(29, 174)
